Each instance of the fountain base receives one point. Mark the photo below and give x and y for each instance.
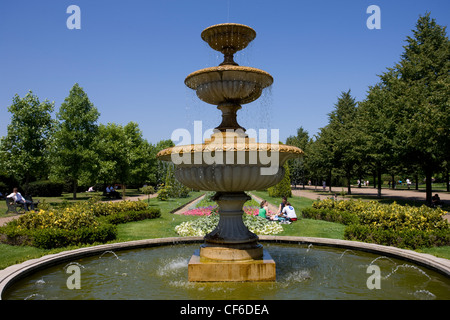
(204, 269)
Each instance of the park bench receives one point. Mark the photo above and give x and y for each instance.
(12, 206)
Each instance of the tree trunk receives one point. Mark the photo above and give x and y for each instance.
(447, 178)
(349, 188)
(74, 189)
(417, 181)
(379, 183)
(429, 191)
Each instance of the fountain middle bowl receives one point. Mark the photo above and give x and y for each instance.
(216, 85)
(229, 167)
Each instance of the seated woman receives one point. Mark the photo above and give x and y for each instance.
(262, 209)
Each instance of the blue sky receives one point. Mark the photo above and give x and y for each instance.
(131, 57)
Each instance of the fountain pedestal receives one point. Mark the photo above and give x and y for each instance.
(231, 252)
(203, 269)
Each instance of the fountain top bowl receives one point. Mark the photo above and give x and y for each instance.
(225, 36)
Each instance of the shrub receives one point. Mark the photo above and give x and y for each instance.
(45, 188)
(83, 223)
(113, 207)
(55, 238)
(164, 193)
(393, 225)
(282, 188)
(129, 216)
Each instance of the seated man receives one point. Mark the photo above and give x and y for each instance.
(289, 212)
(19, 199)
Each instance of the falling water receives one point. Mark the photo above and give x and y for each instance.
(112, 252)
(407, 266)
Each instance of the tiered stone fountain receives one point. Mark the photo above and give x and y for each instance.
(230, 162)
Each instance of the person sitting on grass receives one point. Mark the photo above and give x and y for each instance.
(289, 212)
(18, 198)
(262, 209)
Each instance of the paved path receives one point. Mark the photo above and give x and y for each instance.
(414, 195)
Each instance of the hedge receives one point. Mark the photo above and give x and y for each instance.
(45, 188)
(392, 225)
(83, 223)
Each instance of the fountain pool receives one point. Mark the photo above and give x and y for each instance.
(304, 271)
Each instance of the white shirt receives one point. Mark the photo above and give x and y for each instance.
(289, 211)
(17, 196)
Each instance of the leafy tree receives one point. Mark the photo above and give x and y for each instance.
(124, 156)
(345, 138)
(161, 167)
(140, 155)
(297, 167)
(112, 153)
(24, 150)
(422, 88)
(282, 188)
(320, 155)
(74, 152)
(377, 120)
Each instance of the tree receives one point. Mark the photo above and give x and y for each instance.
(74, 153)
(345, 138)
(124, 156)
(320, 155)
(282, 188)
(422, 87)
(140, 155)
(161, 167)
(378, 117)
(297, 166)
(24, 150)
(112, 153)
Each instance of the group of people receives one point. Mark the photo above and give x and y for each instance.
(285, 214)
(112, 192)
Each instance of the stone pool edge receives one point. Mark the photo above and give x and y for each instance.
(12, 274)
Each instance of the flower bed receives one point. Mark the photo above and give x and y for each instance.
(206, 224)
(395, 225)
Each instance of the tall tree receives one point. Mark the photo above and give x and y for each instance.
(112, 153)
(377, 119)
(24, 150)
(423, 89)
(73, 150)
(140, 151)
(345, 136)
(297, 167)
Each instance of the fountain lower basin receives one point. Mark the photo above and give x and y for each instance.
(307, 268)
